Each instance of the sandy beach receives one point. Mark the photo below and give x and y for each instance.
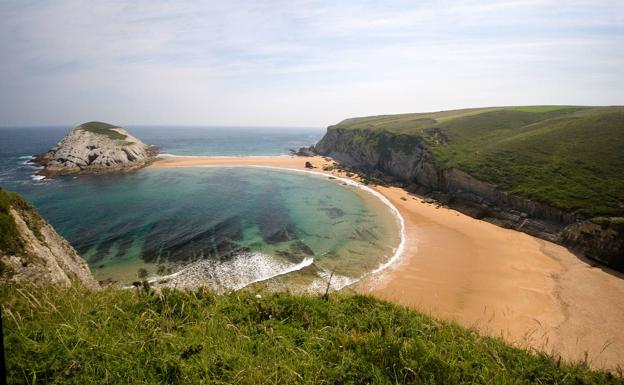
(505, 283)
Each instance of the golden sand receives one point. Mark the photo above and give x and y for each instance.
(505, 283)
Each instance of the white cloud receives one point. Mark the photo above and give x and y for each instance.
(300, 63)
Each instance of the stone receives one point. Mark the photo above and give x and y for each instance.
(96, 147)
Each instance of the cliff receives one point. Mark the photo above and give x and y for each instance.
(32, 251)
(414, 150)
(96, 147)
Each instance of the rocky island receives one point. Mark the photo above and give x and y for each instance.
(96, 147)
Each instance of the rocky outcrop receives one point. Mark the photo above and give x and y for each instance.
(32, 251)
(96, 147)
(407, 160)
(303, 151)
(603, 242)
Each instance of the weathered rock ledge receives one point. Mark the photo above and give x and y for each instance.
(96, 147)
(406, 160)
(34, 252)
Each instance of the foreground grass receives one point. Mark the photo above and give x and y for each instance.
(55, 335)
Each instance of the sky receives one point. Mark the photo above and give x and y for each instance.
(300, 63)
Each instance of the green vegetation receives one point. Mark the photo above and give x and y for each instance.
(568, 156)
(615, 223)
(10, 240)
(72, 336)
(103, 129)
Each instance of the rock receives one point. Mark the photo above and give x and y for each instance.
(407, 159)
(308, 165)
(603, 242)
(44, 257)
(303, 151)
(96, 147)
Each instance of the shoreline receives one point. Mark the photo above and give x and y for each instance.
(504, 283)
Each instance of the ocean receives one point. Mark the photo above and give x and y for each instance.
(220, 227)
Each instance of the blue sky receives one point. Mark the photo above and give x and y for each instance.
(300, 63)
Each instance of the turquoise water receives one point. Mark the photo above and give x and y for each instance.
(250, 223)
(17, 144)
(221, 227)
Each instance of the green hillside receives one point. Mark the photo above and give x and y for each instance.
(102, 128)
(571, 157)
(11, 243)
(72, 336)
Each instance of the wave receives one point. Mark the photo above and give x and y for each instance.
(398, 252)
(231, 275)
(248, 268)
(338, 282)
(26, 157)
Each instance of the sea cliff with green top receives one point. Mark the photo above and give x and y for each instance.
(556, 172)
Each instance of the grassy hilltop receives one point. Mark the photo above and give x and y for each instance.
(571, 157)
(72, 336)
(102, 128)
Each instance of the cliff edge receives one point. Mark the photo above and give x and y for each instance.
(96, 147)
(555, 172)
(32, 251)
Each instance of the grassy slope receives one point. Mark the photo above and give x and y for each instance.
(11, 242)
(568, 156)
(55, 335)
(103, 129)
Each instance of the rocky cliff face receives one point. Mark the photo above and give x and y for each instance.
(96, 147)
(406, 159)
(32, 251)
(602, 242)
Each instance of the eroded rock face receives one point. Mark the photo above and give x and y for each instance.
(46, 258)
(602, 242)
(406, 159)
(96, 147)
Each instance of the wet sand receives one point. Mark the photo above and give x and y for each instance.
(505, 283)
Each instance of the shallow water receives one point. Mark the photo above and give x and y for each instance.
(222, 227)
(243, 224)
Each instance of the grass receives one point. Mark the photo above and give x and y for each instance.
(11, 242)
(567, 156)
(103, 129)
(72, 336)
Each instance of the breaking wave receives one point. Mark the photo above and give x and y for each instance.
(223, 276)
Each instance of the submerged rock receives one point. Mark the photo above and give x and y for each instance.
(96, 147)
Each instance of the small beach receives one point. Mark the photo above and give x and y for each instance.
(504, 283)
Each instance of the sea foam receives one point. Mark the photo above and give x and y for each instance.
(234, 274)
(337, 281)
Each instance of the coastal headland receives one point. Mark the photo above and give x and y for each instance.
(505, 283)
